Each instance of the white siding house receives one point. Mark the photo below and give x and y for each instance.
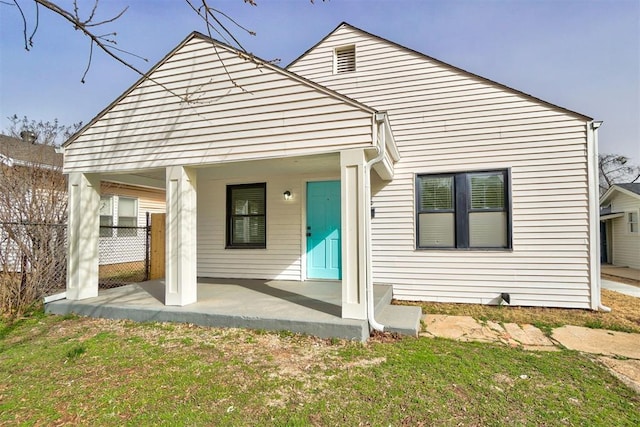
(363, 161)
(446, 120)
(620, 215)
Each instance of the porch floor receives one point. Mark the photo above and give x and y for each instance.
(311, 307)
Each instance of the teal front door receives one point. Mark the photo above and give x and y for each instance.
(323, 230)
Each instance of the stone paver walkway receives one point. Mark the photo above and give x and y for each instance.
(598, 341)
(466, 328)
(618, 351)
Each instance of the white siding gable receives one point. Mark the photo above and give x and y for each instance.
(447, 120)
(206, 112)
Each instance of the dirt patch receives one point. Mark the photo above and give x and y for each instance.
(385, 337)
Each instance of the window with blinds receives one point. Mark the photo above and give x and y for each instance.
(127, 216)
(463, 210)
(246, 216)
(436, 214)
(345, 59)
(487, 214)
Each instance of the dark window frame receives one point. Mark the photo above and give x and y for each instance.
(461, 189)
(231, 216)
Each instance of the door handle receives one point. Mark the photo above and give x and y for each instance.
(308, 234)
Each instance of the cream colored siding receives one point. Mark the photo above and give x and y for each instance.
(149, 199)
(282, 257)
(205, 113)
(445, 120)
(626, 245)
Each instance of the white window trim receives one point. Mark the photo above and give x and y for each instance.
(128, 232)
(628, 222)
(111, 200)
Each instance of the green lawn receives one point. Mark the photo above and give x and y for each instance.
(101, 372)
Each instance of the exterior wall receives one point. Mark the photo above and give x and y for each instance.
(445, 120)
(206, 119)
(625, 245)
(282, 258)
(121, 249)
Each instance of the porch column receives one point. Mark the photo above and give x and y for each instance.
(181, 287)
(82, 234)
(353, 206)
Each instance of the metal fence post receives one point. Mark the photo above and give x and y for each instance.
(147, 248)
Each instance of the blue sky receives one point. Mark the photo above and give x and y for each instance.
(583, 55)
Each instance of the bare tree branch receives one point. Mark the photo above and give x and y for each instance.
(24, 22)
(615, 169)
(35, 27)
(212, 18)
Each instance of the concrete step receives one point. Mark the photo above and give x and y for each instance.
(382, 295)
(404, 320)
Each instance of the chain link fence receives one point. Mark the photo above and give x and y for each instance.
(33, 260)
(123, 254)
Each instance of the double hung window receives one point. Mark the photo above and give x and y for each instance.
(127, 216)
(468, 210)
(246, 216)
(632, 222)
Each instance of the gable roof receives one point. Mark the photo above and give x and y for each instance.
(634, 187)
(630, 189)
(19, 152)
(258, 61)
(516, 91)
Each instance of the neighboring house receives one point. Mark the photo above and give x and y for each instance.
(121, 205)
(26, 152)
(126, 206)
(363, 161)
(620, 225)
(32, 202)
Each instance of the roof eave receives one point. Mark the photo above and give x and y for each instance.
(254, 58)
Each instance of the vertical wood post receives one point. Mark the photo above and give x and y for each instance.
(82, 234)
(181, 287)
(352, 166)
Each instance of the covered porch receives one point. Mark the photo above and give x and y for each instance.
(310, 307)
(237, 169)
(198, 214)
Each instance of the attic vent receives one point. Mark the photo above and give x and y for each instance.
(345, 59)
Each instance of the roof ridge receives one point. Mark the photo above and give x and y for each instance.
(462, 70)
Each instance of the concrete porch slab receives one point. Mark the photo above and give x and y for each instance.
(311, 307)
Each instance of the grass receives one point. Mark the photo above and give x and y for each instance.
(624, 315)
(56, 370)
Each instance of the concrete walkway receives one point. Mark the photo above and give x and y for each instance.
(612, 272)
(618, 351)
(623, 288)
